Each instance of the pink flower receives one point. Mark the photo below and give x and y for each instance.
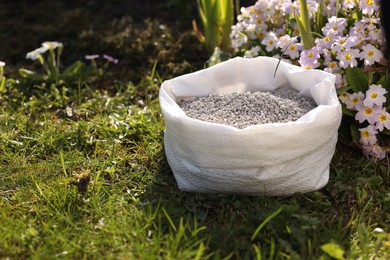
(92, 56)
(110, 58)
(368, 135)
(375, 96)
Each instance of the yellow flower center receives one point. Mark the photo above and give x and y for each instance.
(332, 65)
(328, 39)
(292, 48)
(369, 2)
(342, 41)
(365, 134)
(310, 55)
(348, 56)
(370, 53)
(252, 10)
(271, 42)
(355, 100)
(260, 34)
(368, 111)
(259, 21)
(374, 95)
(383, 118)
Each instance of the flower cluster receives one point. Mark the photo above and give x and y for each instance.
(347, 33)
(369, 108)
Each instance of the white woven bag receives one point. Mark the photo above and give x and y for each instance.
(267, 159)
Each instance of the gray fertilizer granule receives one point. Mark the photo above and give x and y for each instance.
(250, 108)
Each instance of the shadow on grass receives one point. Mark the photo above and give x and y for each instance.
(245, 226)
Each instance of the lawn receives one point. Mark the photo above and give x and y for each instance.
(83, 172)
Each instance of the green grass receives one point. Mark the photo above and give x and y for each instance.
(83, 172)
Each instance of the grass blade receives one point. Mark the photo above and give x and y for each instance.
(169, 220)
(268, 219)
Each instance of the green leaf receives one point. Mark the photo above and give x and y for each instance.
(386, 132)
(357, 79)
(333, 250)
(73, 70)
(384, 80)
(347, 111)
(227, 18)
(355, 133)
(2, 84)
(28, 74)
(343, 89)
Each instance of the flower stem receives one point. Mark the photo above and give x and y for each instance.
(304, 25)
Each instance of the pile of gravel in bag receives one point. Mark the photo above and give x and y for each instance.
(250, 108)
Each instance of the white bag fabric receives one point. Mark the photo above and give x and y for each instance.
(268, 159)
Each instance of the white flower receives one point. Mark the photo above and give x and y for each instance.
(367, 135)
(343, 43)
(327, 41)
(368, 6)
(332, 66)
(252, 52)
(240, 40)
(376, 34)
(293, 50)
(375, 95)
(353, 100)
(375, 151)
(35, 54)
(284, 41)
(336, 25)
(383, 120)
(348, 58)
(270, 41)
(2, 64)
(51, 45)
(349, 4)
(341, 80)
(379, 230)
(367, 113)
(370, 54)
(344, 97)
